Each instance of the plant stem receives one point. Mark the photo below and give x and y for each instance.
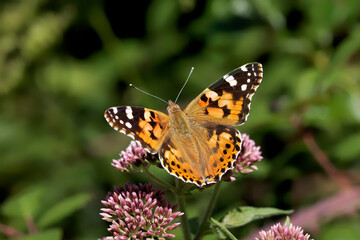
(184, 221)
(209, 209)
(158, 180)
(10, 232)
(324, 161)
(224, 229)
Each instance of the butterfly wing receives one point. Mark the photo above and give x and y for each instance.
(203, 155)
(142, 124)
(227, 101)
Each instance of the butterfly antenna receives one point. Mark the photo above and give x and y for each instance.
(148, 93)
(192, 69)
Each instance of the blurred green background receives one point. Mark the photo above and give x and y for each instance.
(62, 63)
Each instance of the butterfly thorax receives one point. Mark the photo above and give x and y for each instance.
(178, 119)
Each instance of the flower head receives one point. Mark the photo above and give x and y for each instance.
(135, 155)
(139, 212)
(285, 232)
(249, 155)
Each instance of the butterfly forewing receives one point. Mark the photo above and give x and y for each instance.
(142, 124)
(227, 101)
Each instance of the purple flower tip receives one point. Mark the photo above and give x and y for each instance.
(283, 232)
(249, 155)
(135, 155)
(139, 212)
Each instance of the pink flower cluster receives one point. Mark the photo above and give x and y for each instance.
(135, 155)
(250, 154)
(283, 232)
(139, 212)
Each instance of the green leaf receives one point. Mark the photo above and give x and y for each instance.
(287, 221)
(26, 203)
(243, 215)
(346, 49)
(53, 234)
(347, 149)
(63, 209)
(221, 230)
(271, 13)
(162, 15)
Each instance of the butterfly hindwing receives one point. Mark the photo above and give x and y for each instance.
(225, 141)
(203, 155)
(145, 125)
(227, 101)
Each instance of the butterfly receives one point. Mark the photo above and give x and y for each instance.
(199, 144)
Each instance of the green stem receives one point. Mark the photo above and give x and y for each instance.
(158, 180)
(209, 209)
(184, 221)
(224, 229)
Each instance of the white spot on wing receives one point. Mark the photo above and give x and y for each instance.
(233, 83)
(128, 125)
(121, 121)
(249, 74)
(243, 68)
(115, 110)
(213, 95)
(147, 115)
(248, 80)
(243, 87)
(128, 112)
(231, 80)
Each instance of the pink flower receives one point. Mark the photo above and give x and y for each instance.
(250, 154)
(245, 162)
(135, 155)
(139, 212)
(286, 232)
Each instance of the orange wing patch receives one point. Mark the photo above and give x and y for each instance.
(215, 112)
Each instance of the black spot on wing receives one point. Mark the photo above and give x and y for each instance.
(226, 112)
(204, 98)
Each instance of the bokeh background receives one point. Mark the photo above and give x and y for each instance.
(62, 63)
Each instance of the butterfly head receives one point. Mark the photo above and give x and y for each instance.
(173, 107)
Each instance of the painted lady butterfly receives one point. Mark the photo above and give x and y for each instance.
(199, 144)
